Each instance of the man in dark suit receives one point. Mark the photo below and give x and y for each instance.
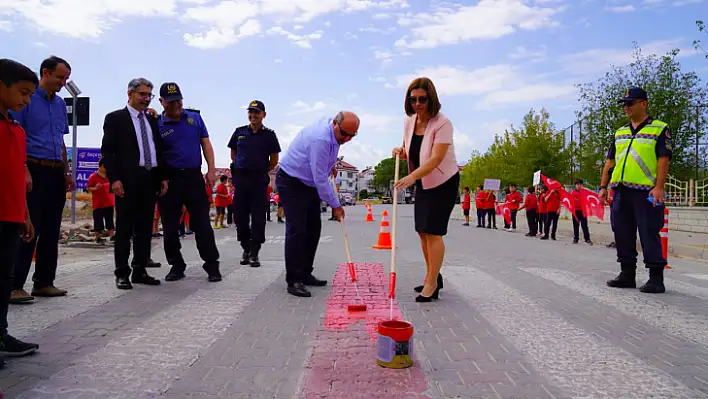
(132, 155)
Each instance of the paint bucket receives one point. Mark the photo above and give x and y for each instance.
(395, 344)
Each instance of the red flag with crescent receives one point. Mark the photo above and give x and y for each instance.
(567, 201)
(591, 205)
(551, 184)
(503, 209)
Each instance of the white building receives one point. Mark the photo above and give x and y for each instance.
(349, 176)
(366, 179)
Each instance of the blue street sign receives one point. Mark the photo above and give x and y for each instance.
(87, 164)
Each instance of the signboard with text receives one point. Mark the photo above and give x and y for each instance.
(87, 163)
(537, 178)
(492, 184)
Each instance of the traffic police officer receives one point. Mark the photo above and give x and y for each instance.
(184, 137)
(640, 155)
(254, 151)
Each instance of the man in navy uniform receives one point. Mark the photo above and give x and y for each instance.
(254, 151)
(184, 138)
(640, 154)
(302, 179)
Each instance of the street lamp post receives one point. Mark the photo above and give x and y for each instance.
(73, 89)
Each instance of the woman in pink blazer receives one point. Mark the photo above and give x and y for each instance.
(432, 167)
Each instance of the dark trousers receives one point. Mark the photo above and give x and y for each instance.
(46, 205)
(303, 226)
(513, 212)
(268, 209)
(633, 212)
(541, 221)
(492, 218)
(531, 220)
(9, 242)
(135, 212)
(551, 224)
(580, 220)
(480, 217)
(186, 189)
(230, 214)
(250, 193)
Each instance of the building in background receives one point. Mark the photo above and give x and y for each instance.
(366, 179)
(349, 176)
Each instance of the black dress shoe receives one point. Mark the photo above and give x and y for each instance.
(174, 274)
(123, 283)
(152, 263)
(298, 289)
(212, 270)
(313, 281)
(144, 278)
(253, 260)
(245, 258)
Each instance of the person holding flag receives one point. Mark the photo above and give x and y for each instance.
(513, 199)
(480, 196)
(640, 154)
(553, 208)
(579, 216)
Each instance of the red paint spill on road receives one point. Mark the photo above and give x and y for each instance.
(343, 363)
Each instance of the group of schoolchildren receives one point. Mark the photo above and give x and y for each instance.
(543, 208)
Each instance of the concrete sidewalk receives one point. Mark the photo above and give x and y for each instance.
(681, 244)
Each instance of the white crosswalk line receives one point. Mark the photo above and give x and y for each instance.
(570, 357)
(635, 303)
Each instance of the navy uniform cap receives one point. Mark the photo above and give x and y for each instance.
(170, 92)
(633, 94)
(256, 105)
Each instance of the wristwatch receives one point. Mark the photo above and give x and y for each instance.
(67, 174)
(603, 187)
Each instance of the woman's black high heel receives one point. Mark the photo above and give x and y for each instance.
(440, 284)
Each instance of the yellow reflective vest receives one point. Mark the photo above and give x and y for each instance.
(635, 156)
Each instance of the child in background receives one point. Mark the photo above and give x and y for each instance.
(490, 205)
(507, 226)
(17, 84)
(102, 203)
(281, 213)
(541, 213)
(230, 208)
(480, 197)
(156, 223)
(221, 202)
(553, 209)
(466, 199)
(530, 204)
(513, 199)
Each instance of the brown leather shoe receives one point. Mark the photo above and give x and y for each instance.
(50, 291)
(20, 296)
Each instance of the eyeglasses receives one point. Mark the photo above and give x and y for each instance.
(422, 100)
(628, 104)
(146, 95)
(345, 133)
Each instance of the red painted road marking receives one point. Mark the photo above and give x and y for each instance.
(343, 363)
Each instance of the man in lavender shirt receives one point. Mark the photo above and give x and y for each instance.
(302, 179)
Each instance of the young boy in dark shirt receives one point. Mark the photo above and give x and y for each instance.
(17, 84)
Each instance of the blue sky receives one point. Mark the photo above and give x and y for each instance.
(491, 60)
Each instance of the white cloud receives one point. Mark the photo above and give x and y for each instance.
(84, 19)
(488, 19)
(522, 52)
(5, 25)
(593, 61)
(222, 37)
(490, 82)
(301, 107)
(299, 40)
(625, 8)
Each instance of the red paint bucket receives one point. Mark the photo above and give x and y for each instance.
(395, 344)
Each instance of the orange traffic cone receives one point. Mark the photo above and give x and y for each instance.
(369, 215)
(384, 241)
(665, 237)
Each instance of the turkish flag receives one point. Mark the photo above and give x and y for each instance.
(590, 203)
(551, 184)
(567, 201)
(503, 209)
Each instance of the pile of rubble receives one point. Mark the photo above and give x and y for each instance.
(79, 232)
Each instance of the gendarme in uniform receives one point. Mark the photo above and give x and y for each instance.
(254, 151)
(640, 154)
(184, 136)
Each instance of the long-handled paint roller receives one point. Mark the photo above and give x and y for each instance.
(361, 306)
(394, 219)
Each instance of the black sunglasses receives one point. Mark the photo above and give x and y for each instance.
(345, 133)
(420, 100)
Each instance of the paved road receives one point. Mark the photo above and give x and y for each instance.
(518, 318)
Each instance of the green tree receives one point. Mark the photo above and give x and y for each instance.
(384, 173)
(673, 98)
(697, 43)
(516, 154)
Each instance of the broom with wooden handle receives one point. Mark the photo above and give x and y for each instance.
(394, 218)
(361, 306)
